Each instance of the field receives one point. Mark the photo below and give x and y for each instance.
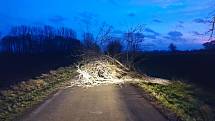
(18, 68)
(191, 94)
(195, 67)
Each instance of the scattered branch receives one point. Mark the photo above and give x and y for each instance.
(212, 29)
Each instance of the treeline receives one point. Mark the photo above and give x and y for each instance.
(29, 51)
(40, 40)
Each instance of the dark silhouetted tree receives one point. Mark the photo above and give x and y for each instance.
(210, 45)
(89, 43)
(114, 48)
(45, 40)
(172, 47)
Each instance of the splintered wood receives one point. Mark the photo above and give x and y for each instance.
(101, 70)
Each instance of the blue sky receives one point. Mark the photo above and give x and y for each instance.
(182, 22)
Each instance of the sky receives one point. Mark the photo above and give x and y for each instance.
(182, 22)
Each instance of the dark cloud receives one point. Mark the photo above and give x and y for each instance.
(175, 35)
(140, 35)
(174, 38)
(181, 22)
(131, 14)
(179, 26)
(152, 31)
(151, 34)
(57, 19)
(166, 37)
(199, 20)
(195, 33)
(157, 21)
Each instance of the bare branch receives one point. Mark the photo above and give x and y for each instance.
(104, 33)
(212, 29)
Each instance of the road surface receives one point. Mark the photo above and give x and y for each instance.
(102, 103)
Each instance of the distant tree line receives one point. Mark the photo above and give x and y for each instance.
(35, 40)
(210, 45)
(25, 40)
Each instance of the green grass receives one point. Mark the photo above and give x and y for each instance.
(189, 102)
(17, 99)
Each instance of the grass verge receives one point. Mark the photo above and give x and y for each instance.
(19, 98)
(188, 102)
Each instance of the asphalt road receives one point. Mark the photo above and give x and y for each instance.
(103, 103)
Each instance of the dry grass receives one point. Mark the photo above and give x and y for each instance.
(20, 97)
(189, 102)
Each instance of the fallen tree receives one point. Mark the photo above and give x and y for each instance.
(98, 70)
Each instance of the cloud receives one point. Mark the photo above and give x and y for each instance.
(151, 34)
(175, 35)
(131, 14)
(199, 20)
(139, 35)
(57, 19)
(195, 33)
(157, 21)
(152, 31)
(181, 22)
(179, 26)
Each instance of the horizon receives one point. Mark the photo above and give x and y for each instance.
(181, 22)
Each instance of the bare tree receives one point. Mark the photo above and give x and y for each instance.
(133, 38)
(211, 44)
(104, 34)
(212, 28)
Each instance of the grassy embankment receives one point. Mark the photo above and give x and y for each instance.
(193, 99)
(187, 101)
(20, 97)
